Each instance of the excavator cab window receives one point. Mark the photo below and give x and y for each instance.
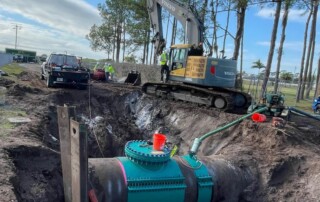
(178, 57)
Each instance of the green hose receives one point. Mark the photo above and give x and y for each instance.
(197, 142)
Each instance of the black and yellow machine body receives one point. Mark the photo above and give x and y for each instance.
(203, 80)
(200, 70)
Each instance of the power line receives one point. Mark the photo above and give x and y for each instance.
(16, 27)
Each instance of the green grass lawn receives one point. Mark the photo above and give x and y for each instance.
(288, 92)
(12, 70)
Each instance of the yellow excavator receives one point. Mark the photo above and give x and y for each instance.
(198, 79)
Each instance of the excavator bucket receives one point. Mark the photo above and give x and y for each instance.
(133, 78)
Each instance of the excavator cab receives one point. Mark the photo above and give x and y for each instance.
(177, 58)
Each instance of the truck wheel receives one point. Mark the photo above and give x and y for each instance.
(49, 81)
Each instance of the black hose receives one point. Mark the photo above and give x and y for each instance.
(303, 113)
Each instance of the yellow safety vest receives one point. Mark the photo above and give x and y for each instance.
(163, 60)
(106, 68)
(111, 69)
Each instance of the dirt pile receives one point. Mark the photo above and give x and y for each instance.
(5, 82)
(284, 163)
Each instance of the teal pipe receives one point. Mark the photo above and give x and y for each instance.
(197, 142)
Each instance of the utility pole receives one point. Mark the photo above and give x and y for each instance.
(16, 27)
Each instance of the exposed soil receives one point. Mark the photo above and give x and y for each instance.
(285, 163)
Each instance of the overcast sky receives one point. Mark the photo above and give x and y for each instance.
(48, 26)
(61, 25)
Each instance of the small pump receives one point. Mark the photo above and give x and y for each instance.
(274, 103)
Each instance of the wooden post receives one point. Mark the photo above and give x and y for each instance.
(73, 151)
(64, 115)
(79, 162)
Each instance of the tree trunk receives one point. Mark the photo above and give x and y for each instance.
(114, 43)
(215, 27)
(316, 94)
(241, 62)
(203, 11)
(310, 77)
(312, 35)
(283, 37)
(168, 22)
(174, 31)
(124, 42)
(270, 56)
(145, 48)
(151, 54)
(314, 25)
(226, 32)
(147, 45)
(118, 48)
(300, 81)
(241, 12)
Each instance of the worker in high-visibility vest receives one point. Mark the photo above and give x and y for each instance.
(111, 71)
(106, 70)
(164, 66)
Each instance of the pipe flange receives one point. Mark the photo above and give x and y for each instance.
(141, 152)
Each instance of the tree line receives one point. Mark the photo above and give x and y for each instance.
(125, 29)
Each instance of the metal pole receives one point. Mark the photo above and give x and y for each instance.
(15, 46)
(16, 27)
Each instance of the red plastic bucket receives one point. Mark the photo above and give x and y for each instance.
(158, 141)
(256, 117)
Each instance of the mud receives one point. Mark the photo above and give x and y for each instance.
(283, 163)
(38, 174)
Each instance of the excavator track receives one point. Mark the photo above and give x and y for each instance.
(224, 99)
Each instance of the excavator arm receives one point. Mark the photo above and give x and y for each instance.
(193, 27)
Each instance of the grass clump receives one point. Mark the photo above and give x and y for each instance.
(12, 69)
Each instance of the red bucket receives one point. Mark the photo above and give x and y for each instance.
(159, 141)
(256, 117)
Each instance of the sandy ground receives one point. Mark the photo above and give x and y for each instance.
(285, 162)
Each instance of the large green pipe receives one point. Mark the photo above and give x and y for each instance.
(197, 142)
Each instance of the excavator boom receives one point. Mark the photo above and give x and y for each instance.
(193, 27)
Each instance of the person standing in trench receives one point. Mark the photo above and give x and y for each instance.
(106, 70)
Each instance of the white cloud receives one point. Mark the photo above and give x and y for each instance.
(290, 45)
(73, 16)
(49, 26)
(294, 14)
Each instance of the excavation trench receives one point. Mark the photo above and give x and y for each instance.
(273, 163)
(114, 120)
